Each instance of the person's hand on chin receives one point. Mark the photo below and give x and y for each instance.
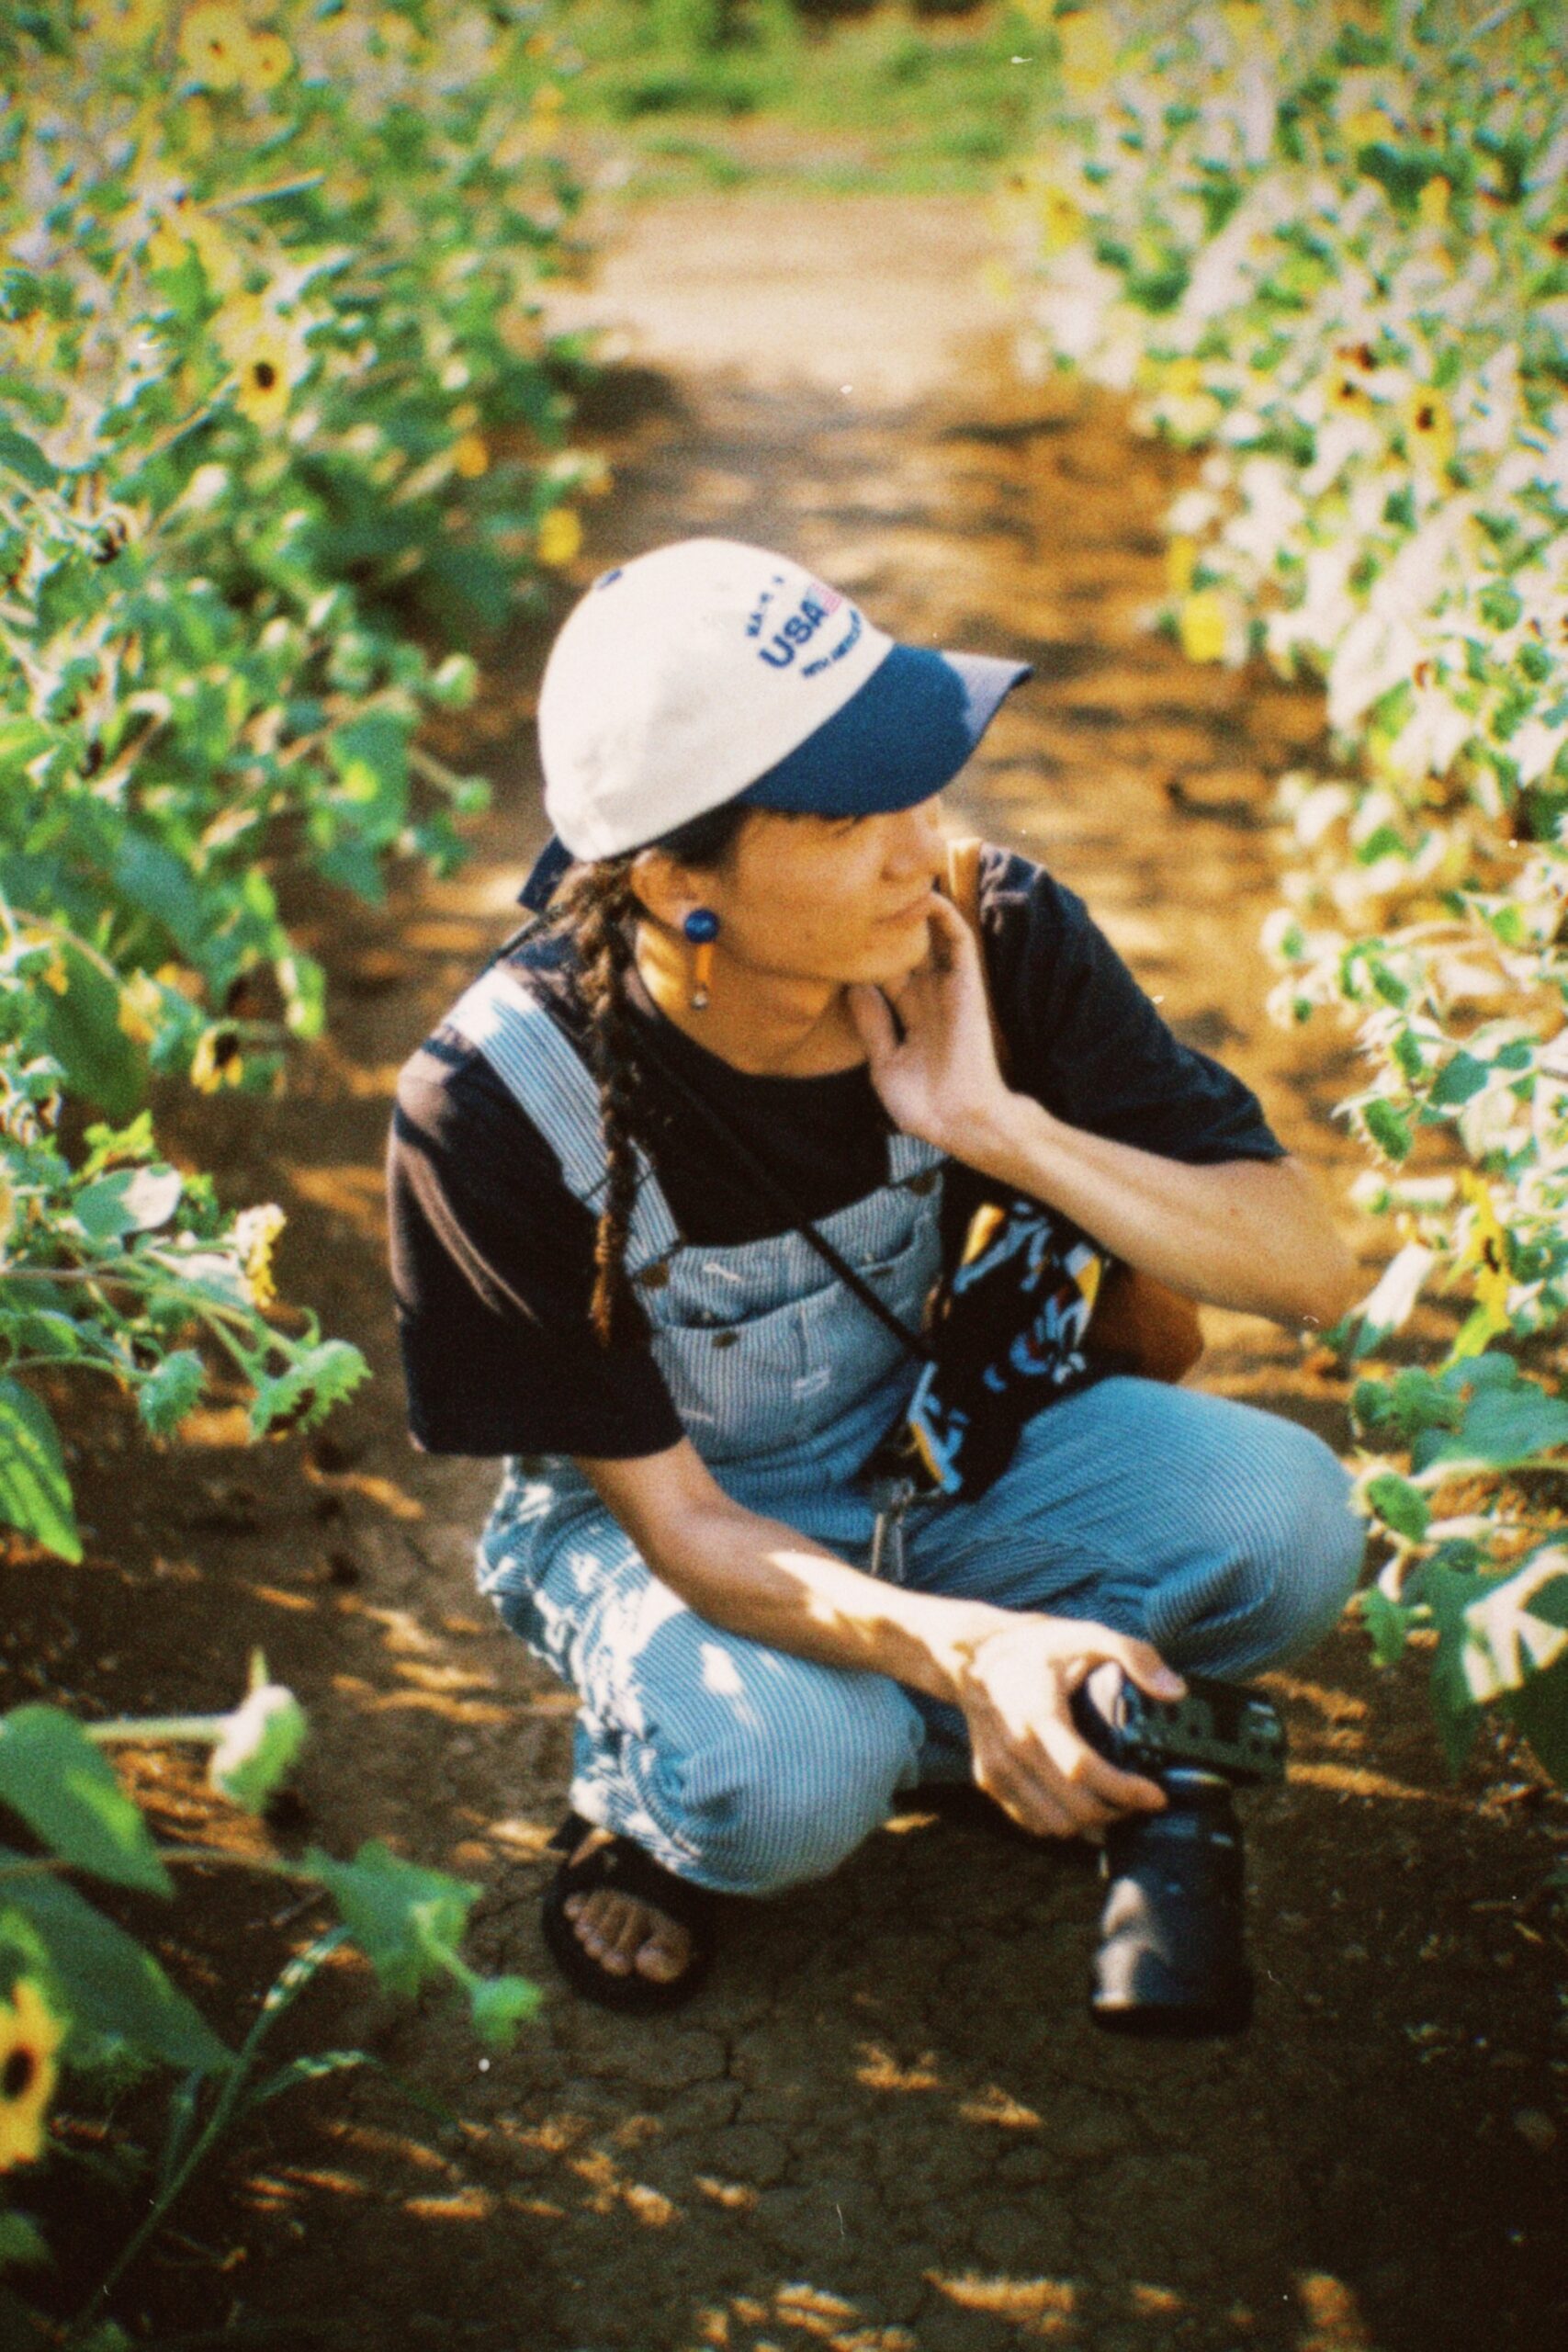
(940, 1080)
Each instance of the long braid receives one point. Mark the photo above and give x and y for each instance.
(599, 905)
(596, 903)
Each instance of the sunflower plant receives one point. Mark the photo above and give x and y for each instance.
(78, 1992)
(1327, 249)
(273, 391)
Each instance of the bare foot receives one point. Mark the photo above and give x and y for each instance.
(624, 1933)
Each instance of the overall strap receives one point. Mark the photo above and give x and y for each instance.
(768, 1184)
(553, 1085)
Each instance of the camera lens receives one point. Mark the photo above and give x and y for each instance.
(1171, 1960)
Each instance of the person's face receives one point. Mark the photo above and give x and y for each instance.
(837, 900)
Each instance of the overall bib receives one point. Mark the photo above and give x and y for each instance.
(748, 1769)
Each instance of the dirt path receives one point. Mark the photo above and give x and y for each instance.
(887, 2125)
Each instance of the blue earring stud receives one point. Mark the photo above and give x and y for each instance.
(701, 928)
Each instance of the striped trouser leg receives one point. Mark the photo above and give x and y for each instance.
(1222, 1534)
(734, 1764)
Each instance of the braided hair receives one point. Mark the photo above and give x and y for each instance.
(597, 906)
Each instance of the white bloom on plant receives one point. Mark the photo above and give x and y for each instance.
(1327, 608)
(1258, 107)
(1226, 273)
(1388, 1305)
(259, 1742)
(1375, 652)
(1073, 306)
(1345, 435)
(1272, 511)
(1432, 737)
(1192, 513)
(1507, 1640)
(1321, 806)
(1533, 748)
(1487, 405)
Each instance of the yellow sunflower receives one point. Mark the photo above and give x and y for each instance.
(32, 344)
(215, 45)
(1180, 561)
(1061, 220)
(219, 1060)
(1428, 423)
(255, 1233)
(1202, 623)
(1432, 204)
(29, 2036)
(266, 62)
(1347, 386)
(124, 23)
(268, 352)
(1486, 1251)
(185, 227)
(560, 536)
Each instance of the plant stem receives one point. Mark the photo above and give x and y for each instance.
(298, 1972)
(208, 1728)
(51, 1865)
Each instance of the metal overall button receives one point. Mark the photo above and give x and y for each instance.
(922, 1183)
(725, 1338)
(654, 1277)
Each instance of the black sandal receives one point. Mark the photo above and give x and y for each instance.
(628, 1869)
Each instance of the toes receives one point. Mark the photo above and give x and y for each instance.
(623, 1936)
(633, 1930)
(599, 1923)
(666, 1953)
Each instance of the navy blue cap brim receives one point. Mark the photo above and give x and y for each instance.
(899, 739)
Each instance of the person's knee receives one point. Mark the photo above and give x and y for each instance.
(1327, 1545)
(1306, 1544)
(770, 1805)
(1284, 1546)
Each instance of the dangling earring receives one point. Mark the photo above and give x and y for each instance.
(701, 928)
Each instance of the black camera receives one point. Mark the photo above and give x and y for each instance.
(1171, 1958)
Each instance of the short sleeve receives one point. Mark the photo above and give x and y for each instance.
(1087, 1042)
(493, 1271)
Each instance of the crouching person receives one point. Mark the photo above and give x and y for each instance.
(671, 1185)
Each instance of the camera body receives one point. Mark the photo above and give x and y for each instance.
(1218, 1727)
(1171, 1958)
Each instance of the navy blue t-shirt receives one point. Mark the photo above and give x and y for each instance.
(492, 1257)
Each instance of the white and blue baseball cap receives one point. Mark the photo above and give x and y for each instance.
(711, 671)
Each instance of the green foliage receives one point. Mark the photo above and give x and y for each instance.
(51, 1775)
(1358, 241)
(271, 380)
(408, 1922)
(401, 1916)
(120, 2001)
(35, 1493)
(880, 95)
(81, 1993)
(274, 395)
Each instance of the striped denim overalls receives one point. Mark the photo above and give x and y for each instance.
(1219, 1532)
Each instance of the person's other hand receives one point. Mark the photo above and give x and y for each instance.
(1015, 1689)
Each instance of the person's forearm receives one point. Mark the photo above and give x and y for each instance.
(754, 1576)
(1247, 1234)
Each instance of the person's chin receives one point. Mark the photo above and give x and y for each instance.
(889, 966)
